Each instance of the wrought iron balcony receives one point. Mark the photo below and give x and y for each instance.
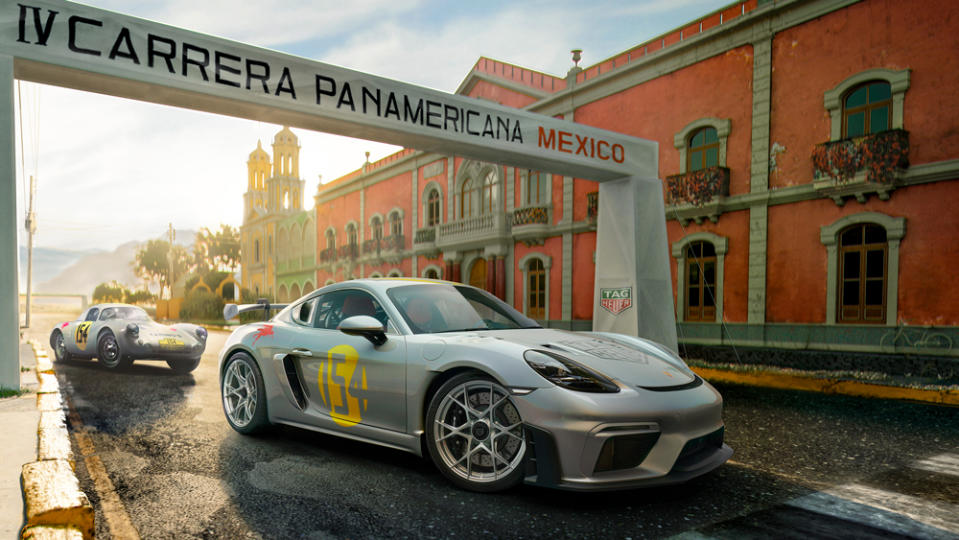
(698, 187)
(881, 157)
(531, 215)
(328, 255)
(425, 236)
(349, 251)
(394, 242)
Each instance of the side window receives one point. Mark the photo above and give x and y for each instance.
(302, 313)
(92, 314)
(334, 307)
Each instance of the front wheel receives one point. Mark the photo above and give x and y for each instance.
(109, 353)
(60, 348)
(183, 367)
(475, 435)
(244, 397)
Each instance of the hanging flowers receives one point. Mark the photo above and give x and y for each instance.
(881, 155)
(698, 187)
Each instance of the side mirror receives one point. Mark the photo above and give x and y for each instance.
(366, 326)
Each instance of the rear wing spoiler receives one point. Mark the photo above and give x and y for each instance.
(230, 311)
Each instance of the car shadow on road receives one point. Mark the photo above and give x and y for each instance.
(327, 485)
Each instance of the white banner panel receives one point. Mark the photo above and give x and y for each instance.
(73, 45)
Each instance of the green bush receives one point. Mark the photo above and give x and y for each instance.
(109, 292)
(201, 305)
(142, 296)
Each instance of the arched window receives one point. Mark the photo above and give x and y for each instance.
(433, 208)
(703, 149)
(431, 273)
(330, 239)
(487, 194)
(351, 238)
(700, 282)
(468, 196)
(376, 227)
(866, 109)
(536, 289)
(396, 224)
(863, 256)
(535, 192)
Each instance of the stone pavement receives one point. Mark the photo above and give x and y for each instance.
(19, 417)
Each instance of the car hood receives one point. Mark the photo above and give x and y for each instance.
(632, 361)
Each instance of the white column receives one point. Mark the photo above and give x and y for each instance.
(632, 257)
(9, 288)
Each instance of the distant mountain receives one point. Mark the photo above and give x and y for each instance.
(77, 272)
(49, 262)
(86, 273)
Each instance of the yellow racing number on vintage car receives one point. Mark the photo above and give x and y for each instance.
(81, 334)
(343, 385)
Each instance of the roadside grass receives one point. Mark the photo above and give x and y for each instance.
(9, 392)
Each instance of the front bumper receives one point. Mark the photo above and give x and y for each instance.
(635, 438)
(145, 350)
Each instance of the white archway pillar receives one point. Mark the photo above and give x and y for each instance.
(9, 254)
(634, 289)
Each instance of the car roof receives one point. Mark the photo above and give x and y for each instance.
(382, 284)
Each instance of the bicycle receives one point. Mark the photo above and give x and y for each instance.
(920, 339)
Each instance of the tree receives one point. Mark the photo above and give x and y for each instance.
(217, 251)
(113, 291)
(153, 262)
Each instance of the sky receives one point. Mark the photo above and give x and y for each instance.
(111, 170)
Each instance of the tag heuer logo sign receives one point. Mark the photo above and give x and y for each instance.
(616, 301)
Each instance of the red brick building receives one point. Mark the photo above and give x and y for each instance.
(809, 156)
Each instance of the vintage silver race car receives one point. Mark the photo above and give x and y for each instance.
(451, 371)
(118, 334)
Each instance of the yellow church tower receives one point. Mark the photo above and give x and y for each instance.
(274, 191)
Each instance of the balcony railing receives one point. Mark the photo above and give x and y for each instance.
(468, 226)
(394, 242)
(531, 215)
(881, 155)
(592, 206)
(349, 251)
(371, 246)
(328, 255)
(698, 187)
(425, 236)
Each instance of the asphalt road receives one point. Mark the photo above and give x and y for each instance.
(181, 472)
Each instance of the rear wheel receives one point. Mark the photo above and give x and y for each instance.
(244, 397)
(183, 366)
(109, 353)
(475, 435)
(60, 348)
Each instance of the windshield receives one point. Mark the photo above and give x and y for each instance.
(129, 313)
(454, 308)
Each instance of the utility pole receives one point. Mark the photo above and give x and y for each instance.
(170, 258)
(31, 226)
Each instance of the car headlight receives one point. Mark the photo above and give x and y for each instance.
(564, 372)
(201, 333)
(133, 330)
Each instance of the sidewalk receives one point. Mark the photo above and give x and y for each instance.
(19, 417)
(849, 383)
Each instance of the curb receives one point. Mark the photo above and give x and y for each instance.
(830, 386)
(55, 506)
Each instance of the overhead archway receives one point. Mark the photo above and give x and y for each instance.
(85, 48)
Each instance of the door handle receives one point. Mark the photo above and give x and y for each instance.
(302, 352)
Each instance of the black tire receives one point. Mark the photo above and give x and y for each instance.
(60, 353)
(183, 367)
(484, 429)
(109, 353)
(241, 380)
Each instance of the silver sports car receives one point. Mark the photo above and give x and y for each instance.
(448, 370)
(118, 334)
